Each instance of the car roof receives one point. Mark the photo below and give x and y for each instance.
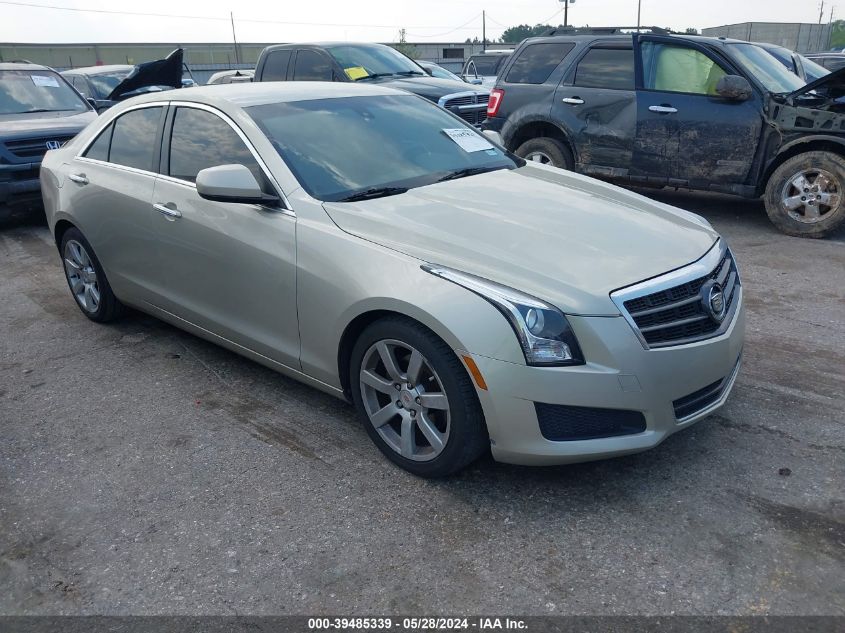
(23, 66)
(98, 70)
(324, 44)
(627, 37)
(262, 93)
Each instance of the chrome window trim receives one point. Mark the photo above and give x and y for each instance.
(286, 208)
(699, 268)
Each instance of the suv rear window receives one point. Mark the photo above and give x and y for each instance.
(536, 62)
(611, 68)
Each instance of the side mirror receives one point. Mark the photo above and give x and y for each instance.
(476, 81)
(734, 88)
(428, 71)
(231, 183)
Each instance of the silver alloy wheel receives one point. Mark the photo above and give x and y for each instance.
(811, 195)
(82, 276)
(539, 157)
(405, 400)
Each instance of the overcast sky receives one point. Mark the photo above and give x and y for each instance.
(379, 20)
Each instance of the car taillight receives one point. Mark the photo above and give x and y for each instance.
(495, 101)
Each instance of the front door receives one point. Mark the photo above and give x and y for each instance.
(686, 132)
(596, 104)
(228, 268)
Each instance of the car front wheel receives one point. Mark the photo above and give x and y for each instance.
(416, 400)
(805, 196)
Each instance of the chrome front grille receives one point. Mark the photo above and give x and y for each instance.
(34, 147)
(470, 106)
(677, 310)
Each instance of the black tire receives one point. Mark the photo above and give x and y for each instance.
(467, 439)
(556, 151)
(108, 307)
(780, 186)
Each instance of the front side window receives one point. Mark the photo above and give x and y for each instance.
(611, 68)
(201, 139)
(340, 147)
(29, 91)
(670, 68)
(135, 138)
(536, 62)
(276, 66)
(312, 66)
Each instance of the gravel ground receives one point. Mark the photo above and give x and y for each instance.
(145, 471)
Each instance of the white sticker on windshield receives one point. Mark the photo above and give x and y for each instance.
(45, 81)
(468, 140)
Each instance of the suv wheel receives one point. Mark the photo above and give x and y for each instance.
(415, 398)
(805, 196)
(548, 151)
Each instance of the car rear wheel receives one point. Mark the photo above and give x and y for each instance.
(805, 196)
(86, 279)
(547, 151)
(415, 399)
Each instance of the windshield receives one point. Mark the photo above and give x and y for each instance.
(104, 83)
(765, 68)
(442, 73)
(812, 70)
(361, 62)
(337, 148)
(23, 91)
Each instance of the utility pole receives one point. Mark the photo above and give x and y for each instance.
(639, 13)
(566, 13)
(483, 30)
(821, 12)
(234, 38)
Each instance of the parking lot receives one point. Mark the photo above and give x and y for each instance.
(146, 471)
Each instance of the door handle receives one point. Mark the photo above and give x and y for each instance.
(167, 211)
(79, 179)
(573, 100)
(663, 109)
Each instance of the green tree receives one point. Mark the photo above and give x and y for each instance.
(516, 34)
(691, 31)
(837, 34)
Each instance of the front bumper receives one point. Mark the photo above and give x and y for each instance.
(19, 183)
(620, 374)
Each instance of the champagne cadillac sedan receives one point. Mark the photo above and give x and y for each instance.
(370, 244)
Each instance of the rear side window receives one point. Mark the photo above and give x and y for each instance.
(276, 66)
(611, 68)
(99, 149)
(133, 142)
(536, 62)
(487, 65)
(312, 66)
(200, 139)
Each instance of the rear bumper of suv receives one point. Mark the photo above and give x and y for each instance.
(19, 183)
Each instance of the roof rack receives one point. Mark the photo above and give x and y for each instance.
(607, 30)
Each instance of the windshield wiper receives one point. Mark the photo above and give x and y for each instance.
(469, 171)
(409, 73)
(36, 110)
(376, 76)
(375, 192)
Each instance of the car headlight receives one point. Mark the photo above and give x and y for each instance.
(543, 331)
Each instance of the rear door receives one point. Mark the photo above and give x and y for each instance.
(596, 104)
(111, 187)
(686, 132)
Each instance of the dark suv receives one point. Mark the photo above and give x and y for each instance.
(39, 111)
(370, 63)
(662, 109)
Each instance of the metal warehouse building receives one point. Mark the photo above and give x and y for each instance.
(804, 38)
(202, 59)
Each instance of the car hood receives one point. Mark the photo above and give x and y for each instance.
(38, 123)
(561, 237)
(432, 88)
(833, 86)
(161, 72)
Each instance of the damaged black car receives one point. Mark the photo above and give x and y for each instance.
(660, 109)
(104, 86)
